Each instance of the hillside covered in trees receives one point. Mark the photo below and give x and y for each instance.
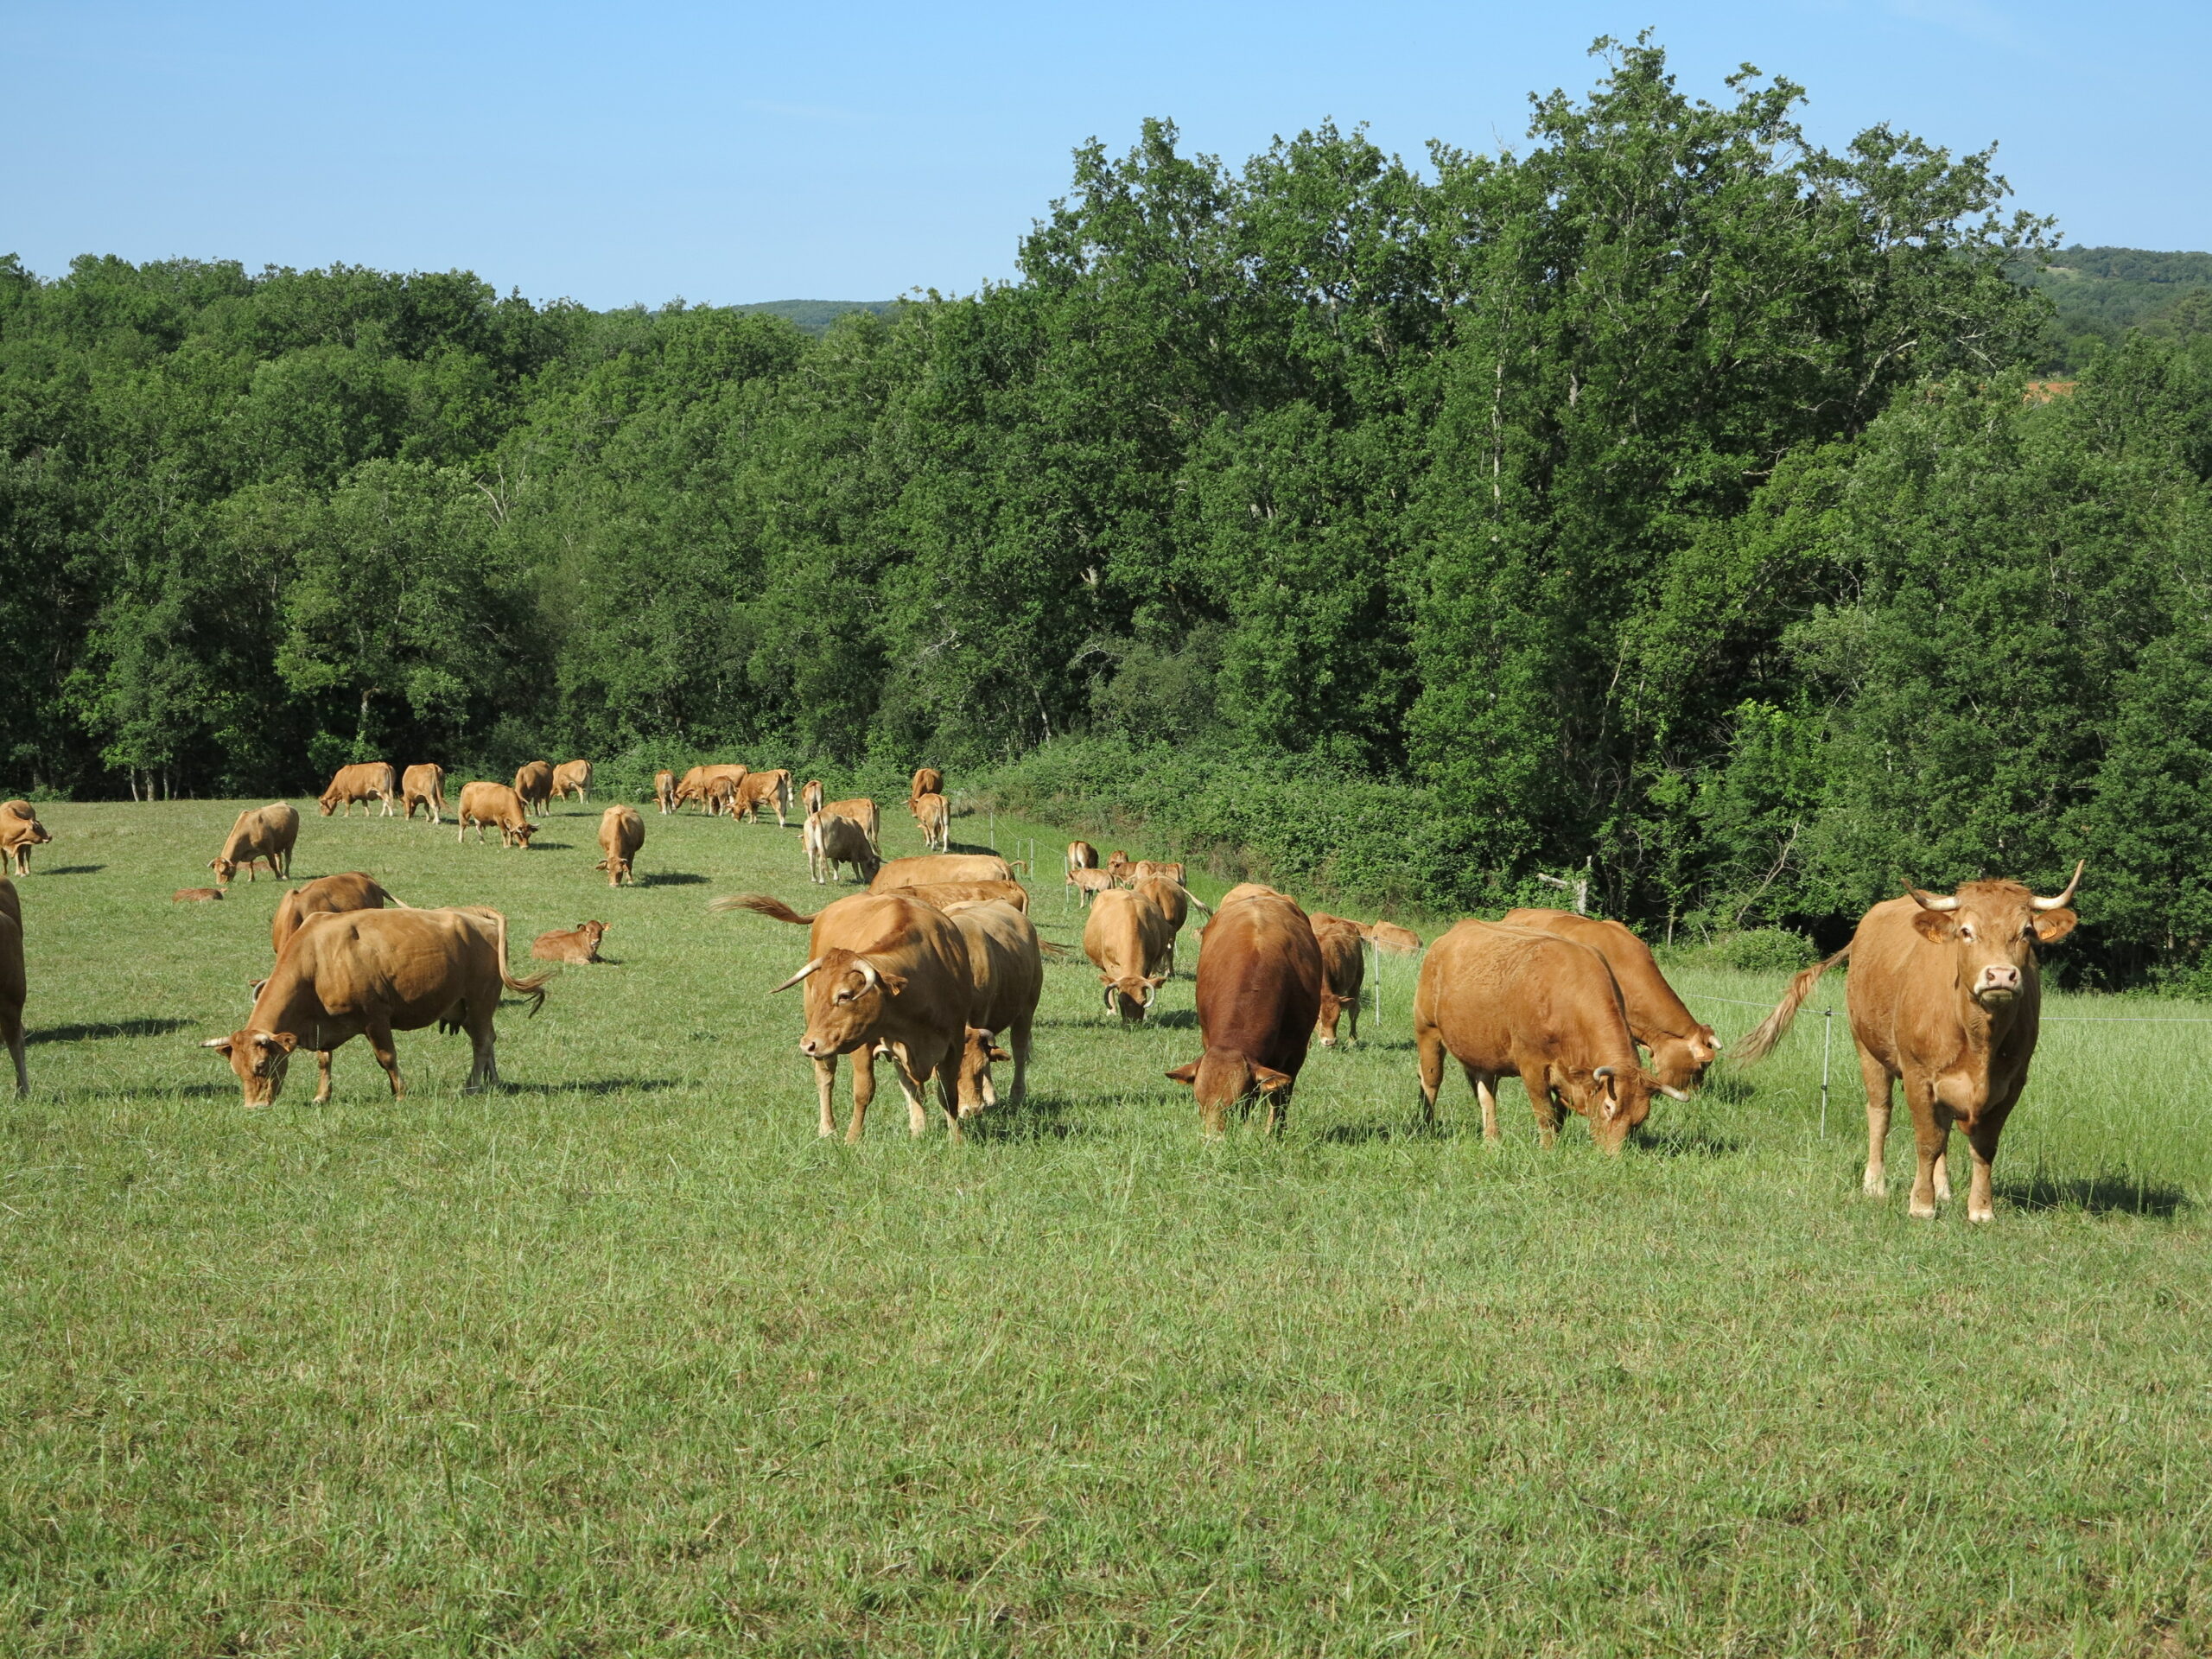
(1665, 494)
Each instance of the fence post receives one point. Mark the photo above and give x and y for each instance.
(1828, 1039)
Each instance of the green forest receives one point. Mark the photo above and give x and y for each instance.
(1665, 497)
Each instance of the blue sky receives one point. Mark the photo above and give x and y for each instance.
(739, 152)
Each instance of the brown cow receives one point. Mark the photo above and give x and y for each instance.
(1146, 869)
(1502, 999)
(1126, 939)
(764, 789)
(1006, 970)
(940, 866)
(810, 796)
(1398, 941)
(20, 831)
(198, 895)
(927, 780)
(944, 895)
(572, 778)
(884, 973)
(373, 780)
(373, 972)
(1945, 996)
(664, 792)
(862, 811)
(832, 840)
(1081, 855)
(259, 833)
(1089, 883)
(1175, 902)
(1344, 974)
(1118, 868)
(326, 895)
(495, 804)
(934, 813)
(578, 944)
(424, 786)
(15, 982)
(621, 832)
(534, 786)
(1680, 1047)
(1259, 992)
(1248, 890)
(711, 787)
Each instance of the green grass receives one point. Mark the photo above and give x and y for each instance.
(623, 1359)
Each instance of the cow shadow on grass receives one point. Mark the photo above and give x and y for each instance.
(596, 1087)
(1041, 1118)
(672, 879)
(2108, 1192)
(147, 1026)
(1688, 1142)
(72, 869)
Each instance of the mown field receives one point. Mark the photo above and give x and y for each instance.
(623, 1359)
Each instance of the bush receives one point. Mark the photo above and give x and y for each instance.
(1763, 950)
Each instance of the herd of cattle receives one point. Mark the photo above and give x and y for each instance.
(936, 961)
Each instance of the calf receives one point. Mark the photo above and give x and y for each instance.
(831, 841)
(1398, 941)
(497, 806)
(20, 831)
(371, 973)
(934, 813)
(1081, 855)
(424, 786)
(664, 792)
(885, 974)
(1680, 1045)
(621, 832)
(1118, 868)
(1344, 974)
(578, 944)
(1089, 883)
(15, 982)
(1259, 994)
(372, 781)
(1145, 869)
(1006, 969)
(1502, 999)
(1127, 940)
(572, 778)
(533, 786)
(198, 895)
(259, 833)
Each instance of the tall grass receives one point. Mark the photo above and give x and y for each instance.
(623, 1359)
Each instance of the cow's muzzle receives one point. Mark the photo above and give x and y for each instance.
(1998, 982)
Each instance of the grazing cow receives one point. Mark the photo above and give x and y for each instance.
(374, 781)
(534, 786)
(326, 895)
(934, 813)
(20, 831)
(711, 787)
(1502, 999)
(1680, 1047)
(1344, 974)
(199, 895)
(1945, 996)
(1089, 883)
(810, 796)
(940, 866)
(944, 895)
(424, 786)
(371, 973)
(1126, 939)
(1259, 992)
(832, 840)
(1175, 902)
(761, 790)
(1398, 941)
(1006, 972)
(1247, 890)
(572, 778)
(259, 833)
(1118, 868)
(862, 811)
(884, 973)
(664, 792)
(621, 832)
(1082, 855)
(578, 944)
(499, 807)
(927, 780)
(1146, 869)
(15, 983)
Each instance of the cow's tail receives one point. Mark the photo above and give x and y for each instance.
(1775, 1025)
(532, 987)
(1047, 948)
(761, 903)
(1194, 901)
(396, 903)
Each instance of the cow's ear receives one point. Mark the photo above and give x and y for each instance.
(1186, 1075)
(1934, 925)
(2054, 925)
(284, 1040)
(1270, 1081)
(998, 1054)
(893, 983)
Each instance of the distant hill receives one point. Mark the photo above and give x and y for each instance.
(816, 315)
(2101, 293)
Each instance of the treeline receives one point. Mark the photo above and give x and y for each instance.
(1664, 498)
(2099, 295)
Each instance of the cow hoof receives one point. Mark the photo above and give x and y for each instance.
(1921, 1211)
(1981, 1214)
(1874, 1187)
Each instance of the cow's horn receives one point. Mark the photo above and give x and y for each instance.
(868, 975)
(1672, 1093)
(1935, 900)
(2060, 902)
(798, 976)
(1603, 1073)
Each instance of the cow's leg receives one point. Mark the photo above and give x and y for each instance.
(1278, 1111)
(484, 1059)
(1485, 1088)
(1428, 1045)
(1541, 1103)
(379, 1038)
(863, 1091)
(825, 1079)
(11, 1025)
(913, 1083)
(1351, 1008)
(1982, 1140)
(1944, 1119)
(1021, 1048)
(322, 1076)
(948, 1092)
(1876, 1076)
(1931, 1133)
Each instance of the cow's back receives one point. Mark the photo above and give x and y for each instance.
(1501, 995)
(409, 966)
(621, 831)
(940, 866)
(1005, 962)
(1259, 990)
(325, 895)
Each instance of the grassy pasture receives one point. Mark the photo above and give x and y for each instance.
(623, 1359)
